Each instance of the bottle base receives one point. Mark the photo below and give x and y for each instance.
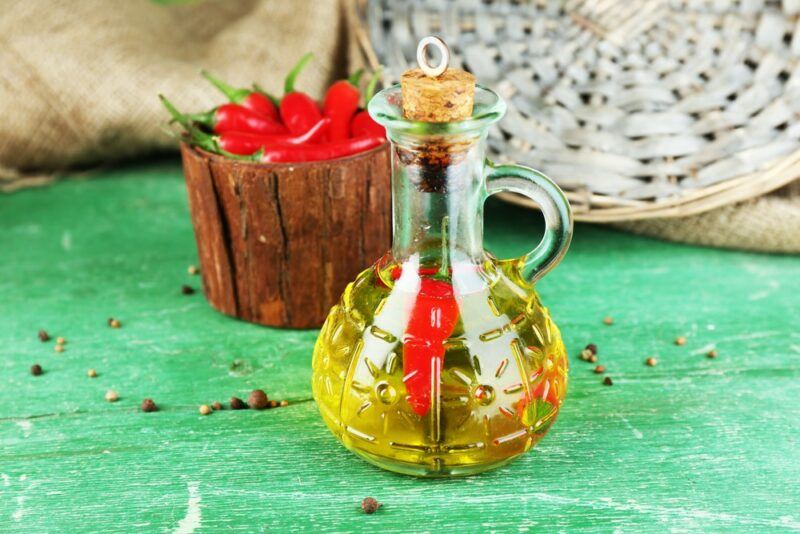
(429, 470)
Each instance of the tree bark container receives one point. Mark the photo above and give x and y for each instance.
(278, 242)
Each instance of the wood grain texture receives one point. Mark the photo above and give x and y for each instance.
(279, 242)
(690, 444)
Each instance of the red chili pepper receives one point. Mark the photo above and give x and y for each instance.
(320, 152)
(340, 104)
(252, 100)
(363, 124)
(299, 112)
(242, 143)
(432, 320)
(235, 118)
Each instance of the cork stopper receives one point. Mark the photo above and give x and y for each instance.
(436, 94)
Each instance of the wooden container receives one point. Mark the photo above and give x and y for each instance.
(278, 242)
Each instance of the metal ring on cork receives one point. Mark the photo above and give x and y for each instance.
(422, 58)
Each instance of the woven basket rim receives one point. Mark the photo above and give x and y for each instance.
(594, 207)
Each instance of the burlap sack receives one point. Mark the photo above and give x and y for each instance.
(79, 79)
(770, 223)
(79, 84)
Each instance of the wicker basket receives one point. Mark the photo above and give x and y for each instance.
(639, 109)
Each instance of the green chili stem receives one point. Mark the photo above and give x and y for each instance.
(373, 82)
(234, 94)
(288, 84)
(355, 78)
(445, 266)
(199, 138)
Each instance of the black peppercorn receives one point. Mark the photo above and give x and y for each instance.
(237, 404)
(591, 347)
(149, 406)
(36, 369)
(187, 290)
(258, 399)
(370, 505)
(44, 336)
(607, 381)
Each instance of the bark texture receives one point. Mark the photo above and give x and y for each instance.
(278, 243)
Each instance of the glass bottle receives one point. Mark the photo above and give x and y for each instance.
(440, 359)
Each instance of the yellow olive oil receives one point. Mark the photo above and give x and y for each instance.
(502, 379)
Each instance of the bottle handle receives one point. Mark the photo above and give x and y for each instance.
(554, 205)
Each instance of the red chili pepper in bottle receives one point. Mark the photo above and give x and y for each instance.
(235, 118)
(252, 100)
(546, 389)
(432, 320)
(340, 104)
(319, 152)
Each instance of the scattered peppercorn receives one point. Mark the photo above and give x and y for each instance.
(608, 321)
(273, 404)
(36, 369)
(111, 396)
(284, 403)
(258, 399)
(59, 348)
(592, 359)
(237, 404)
(205, 409)
(607, 381)
(44, 336)
(193, 270)
(600, 369)
(711, 354)
(91, 373)
(61, 341)
(217, 405)
(680, 340)
(652, 362)
(586, 354)
(370, 505)
(187, 290)
(148, 405)
(591, 347)
(114, 323)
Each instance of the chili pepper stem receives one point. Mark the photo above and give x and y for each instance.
(444, 268)
(206, 118)
(355, 78)
(201, 139)
(373, 83)
(288, 84)
(234, 95)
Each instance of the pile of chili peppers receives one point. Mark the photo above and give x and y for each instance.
(255, 125)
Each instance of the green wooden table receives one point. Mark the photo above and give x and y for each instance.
(691, 443)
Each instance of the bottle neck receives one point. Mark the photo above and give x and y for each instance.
(438, 194)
